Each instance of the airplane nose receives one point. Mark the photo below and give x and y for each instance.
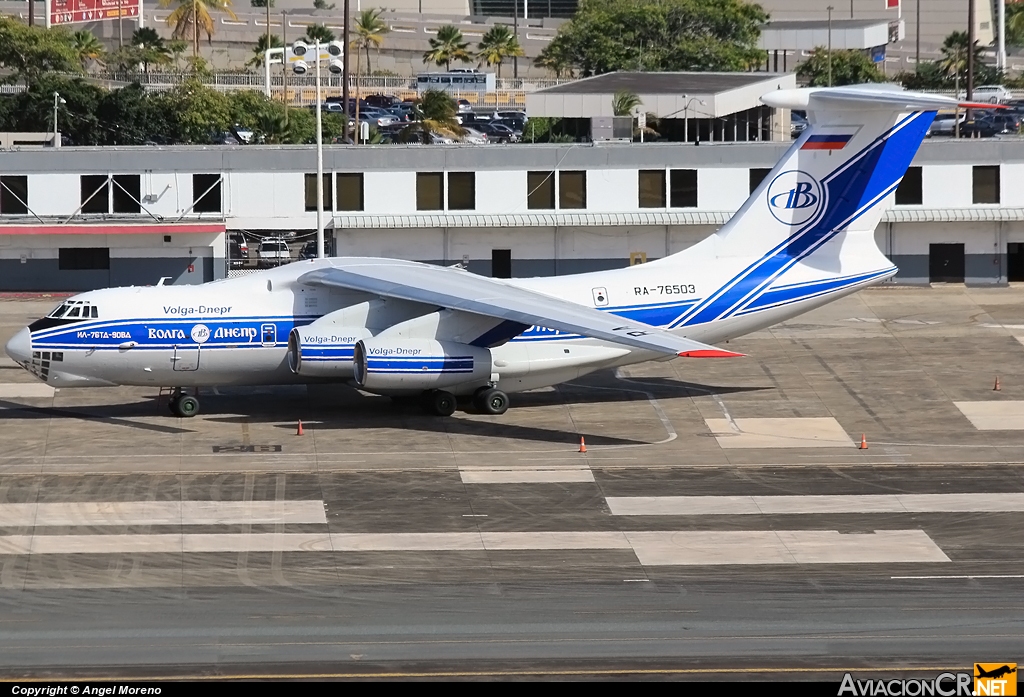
(20, 346)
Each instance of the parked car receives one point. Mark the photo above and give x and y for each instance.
(517, 126)
(510, 115)
(273, 252)
(1004, 122)
(978, 128)
(382, 101)
(309, 249)
(465, 107)
(797, 125)
(945, 124)
(993, 94)
(498, 132)
(238, 239)
(471, 135)
(236, 259)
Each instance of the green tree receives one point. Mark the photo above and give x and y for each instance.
(1015, 24)
(200, 112)
(177, 47)
(624, 102)
(131, 116)
(260, 3)
(32, 109)
(847, 68)
(322, 5)
(953, 64)
(152, 48)
(658, 35)
(28, 53)
(318, 32)
(436, 112)
(260, 50)
(556, 58)
(446, 47)
(369, 30)
(496, 45)
(191, 17)
(89, 49)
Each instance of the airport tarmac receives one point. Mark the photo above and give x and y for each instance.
(723, 521)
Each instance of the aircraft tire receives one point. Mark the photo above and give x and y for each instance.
(187, 406)
(441, 403)
(491, 401)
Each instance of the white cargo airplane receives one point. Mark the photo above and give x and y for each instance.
(805, 237)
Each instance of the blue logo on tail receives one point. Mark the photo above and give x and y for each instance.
(794, 197)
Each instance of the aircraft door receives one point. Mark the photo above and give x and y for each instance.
(186, 358)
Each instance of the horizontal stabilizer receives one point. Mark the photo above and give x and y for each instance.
(889, 97)
(460, 290)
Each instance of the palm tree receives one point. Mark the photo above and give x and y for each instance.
(624, 102)
(447, 47)
(953, 63)
(260, 50)
(193, 16)
(498, 44)
(1015, 24)
(318, 32)
(177, 47)
(436, 111)
(151, 47)
(370, 30)
(87, 47)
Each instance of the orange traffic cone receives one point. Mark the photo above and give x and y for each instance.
(997, 388)
(299, 431)
(863, 442)
(583, 445)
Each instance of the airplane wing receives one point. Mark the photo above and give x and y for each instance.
(460, 290)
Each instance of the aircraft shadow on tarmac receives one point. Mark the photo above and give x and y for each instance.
(342, 407)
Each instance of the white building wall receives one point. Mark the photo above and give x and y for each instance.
(914, 238)
(54, 194)
(389, 193)
(613, 190)
(501, 191)
(947, 186)
(722, 188)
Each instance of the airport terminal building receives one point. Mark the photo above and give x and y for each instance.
(79, 218)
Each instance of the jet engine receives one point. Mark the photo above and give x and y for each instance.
(401, 365)
(324, 351)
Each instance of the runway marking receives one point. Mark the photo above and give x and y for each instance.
(89, 513)
(823, 432)
(788, 505)
(994, 415)
(23, 390)
(965, 576)
(499, 673)
(655, 548)
(566, 475)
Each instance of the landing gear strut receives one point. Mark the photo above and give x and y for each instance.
(490, 400)
(183, 405)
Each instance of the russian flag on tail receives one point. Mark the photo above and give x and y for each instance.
(829, 141)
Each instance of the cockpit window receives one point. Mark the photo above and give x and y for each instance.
(75, 309)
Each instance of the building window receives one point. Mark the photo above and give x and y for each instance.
(95, 193)
(652, 188)
(14, 195)
(540, 190)
(461, 191)
(206, 193)
(572, 189)
(757, 175)
(909, 192)
(429, 191)
(311, 193)
(83, 259)
(127, 190)
(350, 191)
(684, 188)
(986, 183)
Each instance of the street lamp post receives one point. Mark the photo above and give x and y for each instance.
(686, 117)
(57, 101)
(268, 58)
(830, 8)
(334, 49)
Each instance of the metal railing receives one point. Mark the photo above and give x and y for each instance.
(254, 80)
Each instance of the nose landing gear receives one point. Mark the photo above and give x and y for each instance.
(183, 405)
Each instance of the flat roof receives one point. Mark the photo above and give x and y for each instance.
(837, 24)
(660, 83)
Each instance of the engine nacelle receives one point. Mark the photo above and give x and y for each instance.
(402, 365)
(324, 351)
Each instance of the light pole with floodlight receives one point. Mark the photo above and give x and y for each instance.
(57, 101)
(334, 49)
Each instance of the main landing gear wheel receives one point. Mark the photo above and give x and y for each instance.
(186, 406)
(440, 403)
(490, 401)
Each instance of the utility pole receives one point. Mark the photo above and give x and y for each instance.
(32, 12)
(120, 26)
(1001, 52)
(970, 53)
(344, 72)
(917, 38)
(284, 61)
(515, 32)
(830, 8)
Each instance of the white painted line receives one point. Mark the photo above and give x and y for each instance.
(788, 505)
(961, 577)
(23, 390)
(783, 547)
(651, 548)
(90, 513)
(526, 476)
